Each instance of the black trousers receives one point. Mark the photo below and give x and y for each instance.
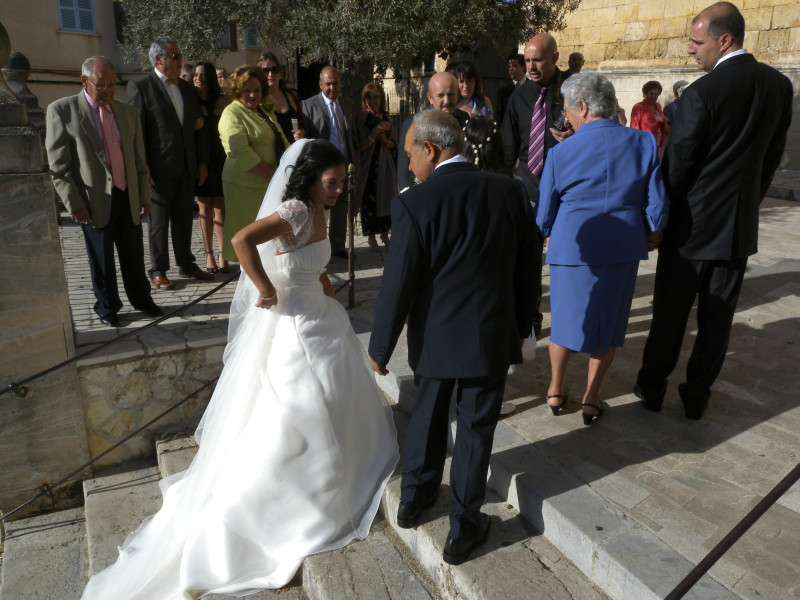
(172, 209)
(425, 448)
(716, 285)
(120, 232)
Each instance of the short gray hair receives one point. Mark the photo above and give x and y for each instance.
(439, 128)
(159, 48)
(87, 68)
(593, 89)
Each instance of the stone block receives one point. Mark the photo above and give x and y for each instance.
(785, 15)
(674, 27)
(746, 5)
(594, 53)
(758, 19)
(794, 39)
(776, 40)
(751, 39)
(651, 10)
(678, 9)
(604, 16)
(637, 31)
(777, 2)
(627, 13)
(612, 34)
(588, 36)
(20, 150)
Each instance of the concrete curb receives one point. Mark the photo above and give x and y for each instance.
(618, 554)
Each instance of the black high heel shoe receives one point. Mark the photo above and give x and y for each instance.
(587, 419)
(557, 407)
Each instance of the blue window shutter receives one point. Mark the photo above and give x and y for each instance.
(77, 15)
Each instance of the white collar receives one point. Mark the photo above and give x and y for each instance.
(738, 52)
(458, 158)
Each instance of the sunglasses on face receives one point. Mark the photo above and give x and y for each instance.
(174, 56)
(273, 70)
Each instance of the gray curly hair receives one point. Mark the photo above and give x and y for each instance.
(159, 48)
(593, 89)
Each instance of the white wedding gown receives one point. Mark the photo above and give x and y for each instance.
(295, 449)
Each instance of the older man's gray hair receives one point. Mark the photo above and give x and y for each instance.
(676, 87)
(159, 48)
(87, 68)
(439, 128)
(593, 89)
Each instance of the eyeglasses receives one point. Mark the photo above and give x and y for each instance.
(174, 56)
(102, 87)
(273, 70)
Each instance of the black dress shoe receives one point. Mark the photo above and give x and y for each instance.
(152, 309)
(650, 404)
(110, 320)
(340, 254)
(694, 406)
(196, 272)
(408, 514)
(456, 551)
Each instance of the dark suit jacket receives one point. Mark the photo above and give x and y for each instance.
(171, 146)
(78, 163)
(405, 178)
(461, 267)
(318, 124)
(503, 95)
(726, 143)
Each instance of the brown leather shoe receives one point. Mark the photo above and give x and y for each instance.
(196, 272)
(160, 282)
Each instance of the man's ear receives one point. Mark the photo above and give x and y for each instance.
(725, 41)
(431, 152)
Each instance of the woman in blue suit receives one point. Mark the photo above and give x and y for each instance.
(603, 206)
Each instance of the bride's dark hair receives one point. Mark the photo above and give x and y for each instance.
(316, 157)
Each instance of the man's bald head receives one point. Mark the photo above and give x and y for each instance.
(329, 82)
(723, 17)
(443, 92)
(541, 55)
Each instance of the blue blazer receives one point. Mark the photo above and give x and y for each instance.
(461, 267)
(601, 191)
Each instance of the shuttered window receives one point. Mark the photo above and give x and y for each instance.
(251, 37)
(76, 15)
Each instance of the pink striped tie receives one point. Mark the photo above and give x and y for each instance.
(113, 148)
(536, 145)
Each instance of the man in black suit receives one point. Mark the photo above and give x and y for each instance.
(176, 146)
(443, 95)
(330, 118)
(516, 70)
(726, 143)
(460, 266)
(542, 84)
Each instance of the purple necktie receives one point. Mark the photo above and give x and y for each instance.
(536, 145)
(113, 149)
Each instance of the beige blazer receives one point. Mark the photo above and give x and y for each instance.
(78, 165)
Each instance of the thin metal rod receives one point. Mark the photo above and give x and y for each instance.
(734, 534)
(351, 266)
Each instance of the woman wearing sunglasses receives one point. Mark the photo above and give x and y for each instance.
(286, 104)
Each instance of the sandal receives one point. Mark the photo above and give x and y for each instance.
(373, 244)
(224, 266)
(212, 269)
(587, 419)
(556, 408)
(385, 239)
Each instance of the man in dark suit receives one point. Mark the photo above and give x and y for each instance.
(330, 118)
(443, 95)
(718, 164)
(460, 266)
(96, 154)
(177, 149)
(541, 87)
(516, 70)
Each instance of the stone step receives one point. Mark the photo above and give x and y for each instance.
(623, 558)
(44, 557)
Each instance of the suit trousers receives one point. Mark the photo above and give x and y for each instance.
(172, 210)
(716, 285)
(128, 239)
(531, 185)
(478, 403)
(337, 220)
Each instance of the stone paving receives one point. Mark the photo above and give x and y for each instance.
(687, 482)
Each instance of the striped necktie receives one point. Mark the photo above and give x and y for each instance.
(113, 149)
(536, 144)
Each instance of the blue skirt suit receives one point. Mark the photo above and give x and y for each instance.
(601, 191)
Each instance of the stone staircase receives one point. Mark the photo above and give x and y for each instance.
(50, 557)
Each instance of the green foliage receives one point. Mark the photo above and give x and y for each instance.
(392, 33)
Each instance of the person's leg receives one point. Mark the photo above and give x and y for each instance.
(479, 400)
(100, 251)
(129, 242)
(559, 357)
(160, 211)
(673, 295)
(206, 222)
(717, 298)
(219, 221)
(182, 217)
(598, 365)
(425, 447)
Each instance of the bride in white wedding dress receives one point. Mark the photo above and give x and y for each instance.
(296, 444)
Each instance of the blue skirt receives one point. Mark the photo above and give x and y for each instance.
(590, 305)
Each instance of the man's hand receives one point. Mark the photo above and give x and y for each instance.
(202, 173)
(561, 135)
(377, 368)
(82, 216)
(145, 211)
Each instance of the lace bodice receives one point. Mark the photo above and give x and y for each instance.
(301, 218)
